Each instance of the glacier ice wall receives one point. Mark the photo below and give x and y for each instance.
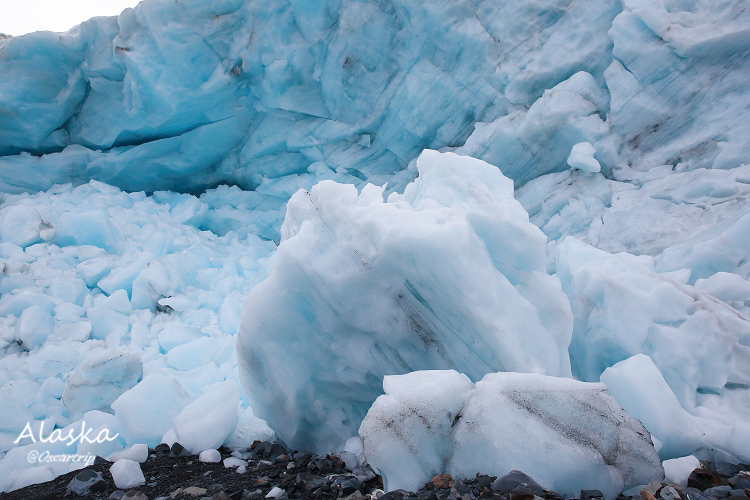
(186, 95)
(448, 275)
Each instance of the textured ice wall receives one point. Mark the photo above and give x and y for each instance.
(448, 275)
(184, 95)
(567, 435)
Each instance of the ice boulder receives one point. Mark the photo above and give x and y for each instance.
(582, 158)
(127, 474)
(146, 411)
(206, 423)
(34, 326)
(566, 434)
(677, 470)
(20, 225)
(450, 274)
(100, 379)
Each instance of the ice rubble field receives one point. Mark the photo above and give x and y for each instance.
(601, 232)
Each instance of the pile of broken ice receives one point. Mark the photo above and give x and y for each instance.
(621, 256)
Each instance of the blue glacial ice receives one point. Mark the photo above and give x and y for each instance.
(169, 172)
(454, 277)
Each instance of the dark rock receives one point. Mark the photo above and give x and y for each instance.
(426, 495)
(442, 481)
(311, 482)
(396, 495)
(483, 481)
(740, 482)
(515, 479)
(220, 496)
(275, 451)
(726, 470)
(87, 481)
(179, 451)
(521, 493)
(589, 494)
(460, 489)
(262, 449)
(349, 486)
(737, 497)
(669, 493)
(718, 492)
(445, 495)
(364, 473)
(100, 460)
(162, 449)
(703, 479)
(695, 494)
(301, 458)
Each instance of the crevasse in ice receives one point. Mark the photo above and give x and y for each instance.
(146, 161)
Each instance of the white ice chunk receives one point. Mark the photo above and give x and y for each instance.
(34, 326)
(136, 453)
(568, 435)
(206, 423)
(210, 456)
(147, 410)
(275, 492)
(127, 474)
(677, 470)
(100, 379)
(248, 430)
(20, 225)
(582, 158)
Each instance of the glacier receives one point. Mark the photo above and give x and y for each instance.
(362, 189)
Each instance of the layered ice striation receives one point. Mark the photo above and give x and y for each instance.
(187, 95)
(450, 274)
(567, 435)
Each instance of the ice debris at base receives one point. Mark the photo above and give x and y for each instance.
(132, 299)
(210, 456)
(450, 274)
(127, 474)
(677, 470)
(568, 435)
(125, 306)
